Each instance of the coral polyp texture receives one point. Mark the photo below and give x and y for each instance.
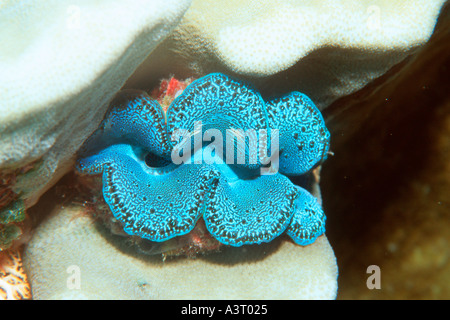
(220, 153)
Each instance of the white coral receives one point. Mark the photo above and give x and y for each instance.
(69, 258)
(60, 64)
(333, 48)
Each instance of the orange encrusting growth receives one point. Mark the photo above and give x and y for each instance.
(13, 279)
(168, 90)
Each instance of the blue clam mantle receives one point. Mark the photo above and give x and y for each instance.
(157, 200)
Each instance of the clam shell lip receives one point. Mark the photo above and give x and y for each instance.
(158, 200)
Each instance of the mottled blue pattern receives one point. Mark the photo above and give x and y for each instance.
(250, 211)
(152, 203)
(223, 103)
(304, 139)
(134, 118)
(308, 221)
(156, 199)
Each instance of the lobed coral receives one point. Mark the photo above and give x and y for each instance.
(60, 61)
(157, 200)
(326, 49)
(110, 270)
